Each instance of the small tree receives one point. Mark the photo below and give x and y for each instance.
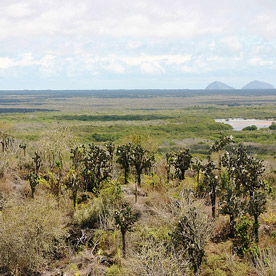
(34, 176)
(191, 235)
(93, 165)
(233, 206)
(246, 177)
(197, 168)
(256, 206)
(55, 180)
(73, 183)
(244, 171)
(219, 145)
(182, 163)
(34, 181)
(124, 219)
(23, 147)
(141, 159)
(37, 162)
(78, 155)
(110, 147)
(211, 182)
(169, 163)
(123, 152)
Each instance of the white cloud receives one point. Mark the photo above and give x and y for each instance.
(157, 59)
(134, 44)
(27, 60)
(24, 60)
(187, 69)
(161, 19)
(264, 24)
(18, 10)
(256, 61)
(6, 62)
(48, 64)
(151, 68)
(232, 43)
(115, 68)
(154, 38)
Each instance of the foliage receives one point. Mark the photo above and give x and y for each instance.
(243, 241)
(211, 182)
(272, 126)
(256, 206)
(250, 128)
(231, 205)
(34, 181)
(191, 235)
(244, 171)
(72, 181)
(38, 233)
(99, 212)
(245, 174)
(157, 259)
(142, 160)
(238, 186)
(123, 152)
(114, 270)
(55, 145)
(197, 168)
(94, 165)
(169, 163)
(265, 262)
(182, 162)
(220, 144)
(124, 220)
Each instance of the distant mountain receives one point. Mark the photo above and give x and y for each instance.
(217, 85)
(258, 85)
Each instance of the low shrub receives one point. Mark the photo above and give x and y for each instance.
(31, 233)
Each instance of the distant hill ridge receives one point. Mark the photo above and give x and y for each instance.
(258, 85)
(217, 85)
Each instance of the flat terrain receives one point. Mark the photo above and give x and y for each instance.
(174, 118)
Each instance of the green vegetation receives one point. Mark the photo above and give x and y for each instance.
(251, 128)
(137, 191)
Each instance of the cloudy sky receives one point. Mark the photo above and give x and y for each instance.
(98, 44)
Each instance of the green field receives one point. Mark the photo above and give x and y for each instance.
(172, 122)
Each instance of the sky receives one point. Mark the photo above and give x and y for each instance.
(136, 44)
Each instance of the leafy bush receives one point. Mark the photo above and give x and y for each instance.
(244, 240)
(31, 233)
(98, 212)
(90, 215)
(272, 127)
(253, 127)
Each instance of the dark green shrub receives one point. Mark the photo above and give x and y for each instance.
(243, 241)
(272, 127)
(250, 128)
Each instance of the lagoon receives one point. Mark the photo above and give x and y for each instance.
(239, 123)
